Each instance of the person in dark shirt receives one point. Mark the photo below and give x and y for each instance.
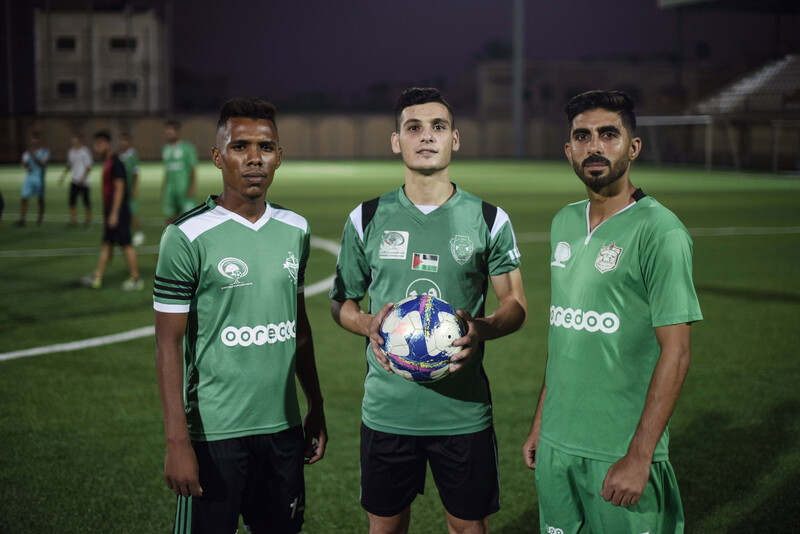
(116, 217)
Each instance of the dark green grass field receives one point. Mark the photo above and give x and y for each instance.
(81, 436)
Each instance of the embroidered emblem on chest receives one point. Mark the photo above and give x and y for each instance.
(292, 265)
(235, 269)
(608, 258)
(394, 245)
(461, 248)
(561, 254)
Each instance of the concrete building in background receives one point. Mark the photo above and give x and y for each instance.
(93, 62)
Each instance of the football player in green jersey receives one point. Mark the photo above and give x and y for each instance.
(180, 175)
(622, 304)
(231, 334)
(467, 244)
(130, 158)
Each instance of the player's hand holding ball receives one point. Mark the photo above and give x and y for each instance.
(467, 342)
(375, 337)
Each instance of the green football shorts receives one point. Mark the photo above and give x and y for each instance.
(570, 502)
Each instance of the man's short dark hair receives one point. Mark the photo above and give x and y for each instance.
(102, 134)
(174, 123)
(250, 108)
(617, 101)
(414, 96)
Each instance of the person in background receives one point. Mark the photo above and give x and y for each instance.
(180, 177)
(116, 217)
(130, 158)
(79, 161)
(34, 161)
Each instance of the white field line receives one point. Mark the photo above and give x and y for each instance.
(314, 289)
(83, 344)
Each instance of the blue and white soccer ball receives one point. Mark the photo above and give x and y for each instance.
(418, 335)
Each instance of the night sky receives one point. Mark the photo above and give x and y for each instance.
(279, 49)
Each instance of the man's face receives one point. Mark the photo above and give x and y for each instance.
(36, 142)
(426, 139)
(124, 143)
(171, 133)
(76, 141)
(600, 148)
(248, 154)
(101, 146)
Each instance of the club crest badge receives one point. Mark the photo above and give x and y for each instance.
(561, 254)
(235, 269)
(608, 258)
(394, 245)
(462, 248)
(292, 265)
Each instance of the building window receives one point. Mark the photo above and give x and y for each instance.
(67, 89)
(65, 43)
(122, 44)
(124, 89)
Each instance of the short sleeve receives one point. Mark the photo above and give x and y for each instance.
(667, 270)
(352, 270)
(118, 169)
(504, 255)
(176, 273)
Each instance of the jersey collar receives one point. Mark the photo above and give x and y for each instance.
(412, 210)
(264, 219)
(636, 196)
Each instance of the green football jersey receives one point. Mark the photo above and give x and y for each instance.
(393, 250)
(239, 282)
(609, 289)
(179, 159)
(130, 158)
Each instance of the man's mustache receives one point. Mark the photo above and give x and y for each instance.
(594, 158)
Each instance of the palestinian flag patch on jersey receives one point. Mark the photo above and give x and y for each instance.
(425, 262)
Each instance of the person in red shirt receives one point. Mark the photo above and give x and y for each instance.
(116, 217)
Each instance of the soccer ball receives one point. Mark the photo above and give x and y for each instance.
(418, 335)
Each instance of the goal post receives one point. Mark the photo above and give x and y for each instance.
(652, 122)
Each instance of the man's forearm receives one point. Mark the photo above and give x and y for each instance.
(349, 316)
(662, 396)
(508, 318)
(169, 364)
